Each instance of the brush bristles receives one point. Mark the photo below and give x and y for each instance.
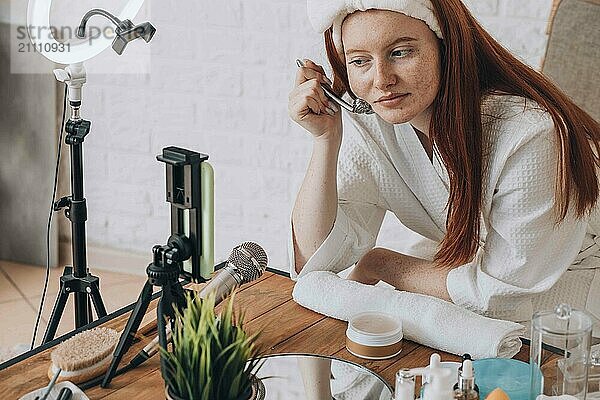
(85, 349)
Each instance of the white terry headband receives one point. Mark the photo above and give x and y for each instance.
(326, 13)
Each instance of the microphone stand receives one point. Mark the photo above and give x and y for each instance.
(183, 192)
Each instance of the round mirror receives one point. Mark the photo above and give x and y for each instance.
(313, 377)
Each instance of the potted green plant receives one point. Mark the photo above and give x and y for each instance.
(212, 357)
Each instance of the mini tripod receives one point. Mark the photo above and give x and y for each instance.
(183, 192)
(75, 279)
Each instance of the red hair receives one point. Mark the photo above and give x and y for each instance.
(473, 64)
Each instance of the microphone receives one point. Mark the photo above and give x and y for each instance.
(246, 263)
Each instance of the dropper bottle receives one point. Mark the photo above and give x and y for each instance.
(466, 383)
(465, 356)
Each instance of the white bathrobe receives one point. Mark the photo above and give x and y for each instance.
(522, 255)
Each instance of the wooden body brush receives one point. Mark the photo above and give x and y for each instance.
(84, 356)
(88, 354)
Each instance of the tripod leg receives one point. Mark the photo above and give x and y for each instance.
(57, 311)
(173, 295)
(98, 303)
(90, 315)
(179, 296)
(162, 334)
(141, 306)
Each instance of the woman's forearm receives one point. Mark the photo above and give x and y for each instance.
(316, 204)
(404, 272)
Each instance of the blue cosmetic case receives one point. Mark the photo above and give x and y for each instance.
(510, 375)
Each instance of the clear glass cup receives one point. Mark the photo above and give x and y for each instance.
(594, 376)
(568, 331)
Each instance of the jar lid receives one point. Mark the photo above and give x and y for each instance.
(563, 320)
(374, 329)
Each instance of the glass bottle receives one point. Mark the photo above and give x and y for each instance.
(405, 385)
(568, 331)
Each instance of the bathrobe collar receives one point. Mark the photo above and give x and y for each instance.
(428, 180)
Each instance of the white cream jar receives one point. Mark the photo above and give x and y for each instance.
(374, 336)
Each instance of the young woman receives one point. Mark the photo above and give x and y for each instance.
(468, 147)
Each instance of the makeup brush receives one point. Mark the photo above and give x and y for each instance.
(51, 384)
(84, 356)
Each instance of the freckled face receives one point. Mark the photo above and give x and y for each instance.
(393, 63)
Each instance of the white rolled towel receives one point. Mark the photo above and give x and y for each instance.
(426, 320)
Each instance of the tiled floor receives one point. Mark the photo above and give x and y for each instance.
(20, 293)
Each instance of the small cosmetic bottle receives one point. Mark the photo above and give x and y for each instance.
(465, 356)
(466, 383)
(435, 363)
(405, 385)
(439, 386)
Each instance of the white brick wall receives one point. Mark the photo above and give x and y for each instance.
(219, 80)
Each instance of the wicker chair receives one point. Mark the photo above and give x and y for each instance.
(572, 61)
(573, 53)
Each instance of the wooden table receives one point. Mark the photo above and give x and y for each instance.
(287, 328)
